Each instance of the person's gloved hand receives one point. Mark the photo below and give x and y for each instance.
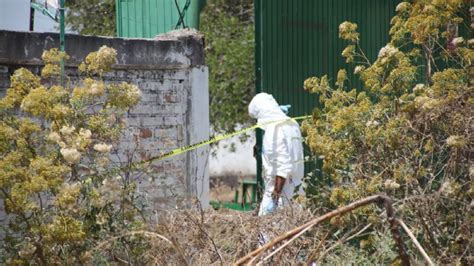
(272, 206)
(285, 108)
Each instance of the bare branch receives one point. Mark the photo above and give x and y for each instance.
(415, 241)
(340, 211)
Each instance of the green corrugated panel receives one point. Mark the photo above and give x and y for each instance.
(299, 39)
(147, 18)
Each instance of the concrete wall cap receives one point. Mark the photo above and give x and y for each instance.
(183, 51)
(180, 35)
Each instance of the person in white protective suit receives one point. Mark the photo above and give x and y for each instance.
(282, 153)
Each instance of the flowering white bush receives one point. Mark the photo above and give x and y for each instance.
(387, 51)
(458, 41)
(71, 155)
(358, 69)
(102, 147)
(67, 130)
(55, 174)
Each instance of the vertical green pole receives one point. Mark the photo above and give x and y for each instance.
(118, 19)
(32, 18)
(62, 42)
(258, 89)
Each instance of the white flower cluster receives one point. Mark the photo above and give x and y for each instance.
(55, 137)
(390, 184)
(71, 155)
(348, 31)
(71, 144)
(358, 69)
(402, 7)
(457, 41)
(345, 26)
(83, 139)
(387, 51)
(419, 88)
(455, 141)
(102, 147)
(449, 188)
(67, 130)
(85, 133)
(106, 52)
(134, 92)
(97, 89)
(372, 123)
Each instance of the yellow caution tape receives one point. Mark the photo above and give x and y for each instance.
(214, 139)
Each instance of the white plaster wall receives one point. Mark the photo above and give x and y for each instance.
(199, 131)
(240, 163)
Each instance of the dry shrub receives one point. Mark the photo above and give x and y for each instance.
(192, 237)
(222, 236)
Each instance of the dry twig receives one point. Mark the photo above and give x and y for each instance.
(415, 241)
(144, 233)
(340, 211)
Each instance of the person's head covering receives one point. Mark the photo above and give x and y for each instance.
(265, 108)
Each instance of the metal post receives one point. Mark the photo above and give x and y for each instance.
(118, 21)
(32, 17)
(258, 88)
(62, 42)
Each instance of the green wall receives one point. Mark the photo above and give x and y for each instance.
(297, 39)
(148, 18)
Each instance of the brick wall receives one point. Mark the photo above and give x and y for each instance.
(173, 111)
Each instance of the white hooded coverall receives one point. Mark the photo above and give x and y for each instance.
(282, 151)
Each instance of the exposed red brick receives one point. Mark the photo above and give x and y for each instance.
(145, 133)
(171, 98)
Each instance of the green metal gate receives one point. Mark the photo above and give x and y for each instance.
(147, 18)
(297, 39)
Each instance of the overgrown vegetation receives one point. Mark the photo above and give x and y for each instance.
(229, 32)
(56, 181)
(91, 17)
(408, 133)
